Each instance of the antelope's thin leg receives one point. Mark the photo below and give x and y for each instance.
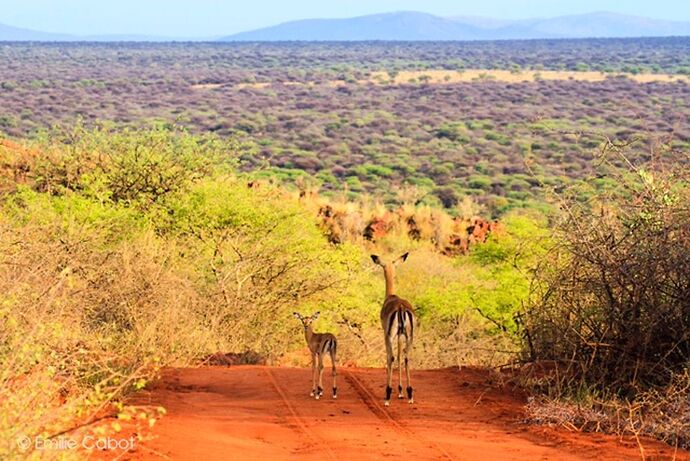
(400, 369)
(335, 386)
(319, 389)
(389, 370)
(313, 375)
(407, 371)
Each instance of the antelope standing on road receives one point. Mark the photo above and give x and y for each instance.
(397, 320)
(319, 345)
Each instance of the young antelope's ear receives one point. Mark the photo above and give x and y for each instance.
(297, 315)
(402, 258)
(315, 316)
(376, 259)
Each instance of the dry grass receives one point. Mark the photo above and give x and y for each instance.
(660, 414)
(206, 86)
(474, 75)
(442, 76)
(82, 326)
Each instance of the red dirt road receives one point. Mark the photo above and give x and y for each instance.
(265, 413)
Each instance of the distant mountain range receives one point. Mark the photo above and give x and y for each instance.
(413, 26)
(423, 26)
(388, 26)
(16, 34)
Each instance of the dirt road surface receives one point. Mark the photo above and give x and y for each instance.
(265, 413)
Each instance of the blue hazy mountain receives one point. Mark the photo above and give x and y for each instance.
(423, 26)
(387, 26)
(9, 33)
(412, 26)
(600, 24)
(17, 34)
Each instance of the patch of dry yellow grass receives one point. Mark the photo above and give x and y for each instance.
(473, 75)
(206, 86)
(441, 76)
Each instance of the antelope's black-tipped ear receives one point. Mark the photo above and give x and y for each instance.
(316, 316)
(376, 259)
(297, 316)
(401, 259)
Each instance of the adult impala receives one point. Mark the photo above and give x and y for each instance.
(397, 320)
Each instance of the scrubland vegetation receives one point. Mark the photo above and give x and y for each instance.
(316, 112)
(123, 252)
(109, 274)
(611, 317)
(208, 208)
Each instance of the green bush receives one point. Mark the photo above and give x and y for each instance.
(99, 290)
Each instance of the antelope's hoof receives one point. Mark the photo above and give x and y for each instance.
(317, 396)
(386, 403)
(411, 401)
(400, 396)
(311, 394)
(335, 397)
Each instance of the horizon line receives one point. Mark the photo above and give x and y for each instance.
(164, 38)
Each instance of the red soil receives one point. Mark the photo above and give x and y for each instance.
(265, 413)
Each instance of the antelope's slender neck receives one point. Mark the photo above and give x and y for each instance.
(308, 333)
(389, 275)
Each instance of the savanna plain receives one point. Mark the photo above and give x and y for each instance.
(165, 209)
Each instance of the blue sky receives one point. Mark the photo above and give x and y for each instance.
(206, 18)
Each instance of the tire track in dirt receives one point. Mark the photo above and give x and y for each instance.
(252, 413)
(302, 426)
(370, 401)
